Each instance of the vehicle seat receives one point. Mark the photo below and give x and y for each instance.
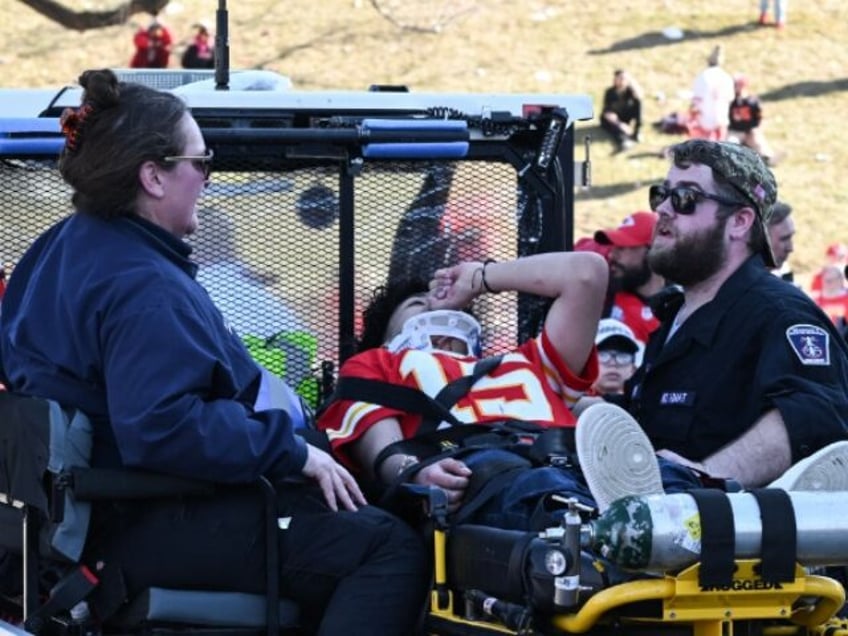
(46, 490)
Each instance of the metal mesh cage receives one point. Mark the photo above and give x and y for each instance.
(291, 251)
(164, 79)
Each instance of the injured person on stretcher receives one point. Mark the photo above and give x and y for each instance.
(417, 404)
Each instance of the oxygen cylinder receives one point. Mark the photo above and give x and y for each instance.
(663, 532)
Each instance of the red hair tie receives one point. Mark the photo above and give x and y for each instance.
(71, 121)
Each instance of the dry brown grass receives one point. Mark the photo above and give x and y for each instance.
(562, 46)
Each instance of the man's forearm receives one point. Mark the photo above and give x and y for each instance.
(550, 274)
(756, 458)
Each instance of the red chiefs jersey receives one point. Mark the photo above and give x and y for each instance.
(531, 383)
(635, 313)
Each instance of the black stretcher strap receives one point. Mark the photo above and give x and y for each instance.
(455, 390)
(409, 400)
(480, 475)
(394, 396)
(433, 411)
(718, 537)
(780, 535)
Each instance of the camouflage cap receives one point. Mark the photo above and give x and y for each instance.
(743, 169)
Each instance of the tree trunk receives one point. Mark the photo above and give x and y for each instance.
(86, 20)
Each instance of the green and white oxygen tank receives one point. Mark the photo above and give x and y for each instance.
(663, 532)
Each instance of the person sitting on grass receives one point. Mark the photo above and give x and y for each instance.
(746, 121)
(621, 115)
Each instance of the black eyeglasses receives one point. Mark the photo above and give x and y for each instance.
(203, 163)
(684, 200)
(618, 358)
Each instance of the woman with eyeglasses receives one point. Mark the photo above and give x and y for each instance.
(103, 314)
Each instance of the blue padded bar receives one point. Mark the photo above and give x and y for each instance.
(30, 136)
(416, 150)
(31, 146)
(29, 125)
(447, 125)
(414, 138)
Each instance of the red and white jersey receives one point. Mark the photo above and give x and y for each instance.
(636, 314)
(531, 383)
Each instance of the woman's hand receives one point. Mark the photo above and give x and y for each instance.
(451, 475)
(337, 484)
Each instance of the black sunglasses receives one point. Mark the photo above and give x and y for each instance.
(202, 162)
(684, 200)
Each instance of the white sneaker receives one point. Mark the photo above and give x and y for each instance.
(825, 470)
(615, 455)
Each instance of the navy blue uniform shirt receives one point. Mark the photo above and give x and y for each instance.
(106, 316)
(760, 344)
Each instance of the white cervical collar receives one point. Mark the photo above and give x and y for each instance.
(419, 330)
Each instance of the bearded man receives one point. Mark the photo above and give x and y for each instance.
(747, 377)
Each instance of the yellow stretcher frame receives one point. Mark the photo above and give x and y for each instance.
(805, 606)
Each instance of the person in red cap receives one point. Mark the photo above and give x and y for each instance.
(631, 279)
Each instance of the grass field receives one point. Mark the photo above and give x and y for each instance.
(562, 46)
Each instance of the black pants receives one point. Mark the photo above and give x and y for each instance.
(631, 116)
(362, 572)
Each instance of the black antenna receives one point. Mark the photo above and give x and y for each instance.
(222, 48)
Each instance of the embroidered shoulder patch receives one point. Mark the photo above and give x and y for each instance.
(810, 343)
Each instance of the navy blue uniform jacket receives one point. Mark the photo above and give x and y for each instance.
(106, 317)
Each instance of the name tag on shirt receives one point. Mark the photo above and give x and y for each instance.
(677, 398)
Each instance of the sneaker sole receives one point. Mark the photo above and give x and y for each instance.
(615, 455)
(825, 470)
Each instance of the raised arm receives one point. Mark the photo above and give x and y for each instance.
(577, 281)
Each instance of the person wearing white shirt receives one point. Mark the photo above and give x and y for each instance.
(711, 96)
